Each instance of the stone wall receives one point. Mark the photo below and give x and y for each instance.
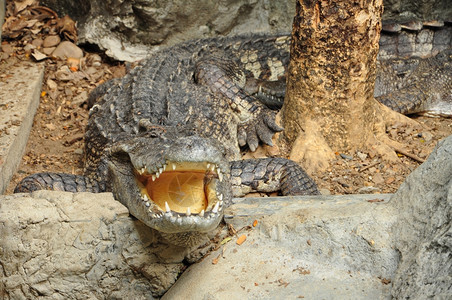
(129, 30)
(423, 232)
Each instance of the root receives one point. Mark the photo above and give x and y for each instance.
(310, 150)
(380, 142)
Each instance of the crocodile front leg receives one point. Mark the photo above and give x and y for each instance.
(270, 175)
(270, 93)
(57, 182)
(226, 79)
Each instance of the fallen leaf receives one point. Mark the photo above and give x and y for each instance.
(216, 259)
(39, 55)
(255, 223)
(241, 239)
(20, 6)
(225, 240)
(67, 28)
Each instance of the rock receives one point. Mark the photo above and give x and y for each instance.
(37, 42)
(58, 245)
(80, 98)
(345, 156)
(94, 60)
(64, 74)
(48, 51)
(51, 84)
(7, 48)
(29, 47)
(377, 178)
(130, 30)
(423, 231)
(51, 41)
(361, 155)
(66, 50)
(318, 247)
(427, 136)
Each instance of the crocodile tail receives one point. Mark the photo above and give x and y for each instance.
(57, 182)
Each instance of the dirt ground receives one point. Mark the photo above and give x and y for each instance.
(56, 139)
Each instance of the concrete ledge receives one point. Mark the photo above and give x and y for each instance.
(19, 98)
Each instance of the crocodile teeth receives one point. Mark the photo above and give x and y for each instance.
(142, 170)
(147, 204)
(221, 203)
(161, 170)
(188, 211)
(208, 166)
(212, 168)
(173, 166)
(215, 209)
(201, 214)
(157, 174)
(220, 197)
(164, 167)
(220, 175)
(167, 207)
(153, 177)
(145, 197)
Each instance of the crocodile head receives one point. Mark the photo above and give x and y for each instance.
(172, 185)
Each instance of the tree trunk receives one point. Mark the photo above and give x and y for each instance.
(329, 105)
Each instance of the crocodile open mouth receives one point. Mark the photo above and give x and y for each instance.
(181, 188)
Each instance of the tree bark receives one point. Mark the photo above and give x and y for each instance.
(329, 105)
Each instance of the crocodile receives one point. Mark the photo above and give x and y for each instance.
(166, 138)
(414, 70)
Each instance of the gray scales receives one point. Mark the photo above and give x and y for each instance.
(166, 138)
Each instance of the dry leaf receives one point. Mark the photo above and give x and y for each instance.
(20, 6)
(39, 55)
(66, 27)
(225, 240)
(241, 239)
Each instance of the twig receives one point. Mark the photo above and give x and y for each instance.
(368, 166)
(406, 153)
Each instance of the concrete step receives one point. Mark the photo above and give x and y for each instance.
(20, 89)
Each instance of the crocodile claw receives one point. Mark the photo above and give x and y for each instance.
(262, 128)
